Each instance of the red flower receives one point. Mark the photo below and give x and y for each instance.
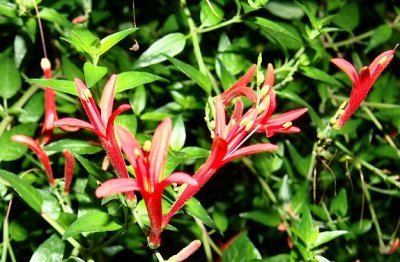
(42, 155)
(230, 136)
(101, 121)
(50, 113)
(68, 170)
(148, 163)
(362, 82)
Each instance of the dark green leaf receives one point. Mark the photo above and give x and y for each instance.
(285, 10)
(27, 192)
(271, 219)
(51, 250)
(348, 17)
(241, 250)
(138, 100)
(109, 41)
(271, 25)
(327, 236)
(194, 74)
(132, 79)
(98, 173)
(171, 44)
(53, 16)
(33, 110)
(381, 35)
(210, 13)
(194, 208)
(90, 223)
(10, 78)
(339, 204)
(75, 146)
(320, 75)
(64, 86)
(178, 135)
(12, 150)
(93, 73)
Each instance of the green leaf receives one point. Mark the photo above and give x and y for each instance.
(270, 219)
(70, 70)
(196, 152)
(171, 44)
(285, 10)
(138, 100)
(27, 192)
(178, 135)
(210, 15)
(12, 150)
(272, 26)
(53, 16)
(301, 164)
(241, 250)
(93, 73)
(132, 79)
(51, 250)
(339, 204)
(327, 236)
(380, 35)
(194, 74)
(90, 223)
(194, 208)
(308, 231)
(320, 75)
(74, 145)
(226, 77)
(361, 227)
(109, 41)
(127, 121)
(348, 17)
(8, 9)
(64, 86)
(33, 110)
(20, 50)
(98, 173)
(10, 78)
(84, 41)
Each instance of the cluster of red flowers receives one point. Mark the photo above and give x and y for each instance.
(230, 138)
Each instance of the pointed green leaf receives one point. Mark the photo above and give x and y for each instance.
(194, 208)
(27, 192)
(193, 73)
(10, 78)
(339, 204)
(74, 145)
(178, 135)
(84, 41)
(50, 250)
(381, 35)
(132, 79)
(210, 13)
(93, 73)
(138, 100)
(98, 173)
(327, 236)
(241, 250)
(270, 25)
(90, 223)
(12, 150)
(64, 86)
(171, 44)
(320, 75)
(53, 16)
(109, 41)
(270, 219)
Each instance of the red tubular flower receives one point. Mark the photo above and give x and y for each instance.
(362, 82)
(148, 163)
(101, 122)
(50, 113)
(42, 155)
(229, 137)
(68, 170)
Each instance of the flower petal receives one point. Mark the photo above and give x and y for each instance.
(117, 185)
(178, 178)
(287, 116)
(380, 63)
(107, 99)
(270, 78)
(347, 67)
(42, 155)
(68, 169)
(252, 149)
(220, 124)
(90, 106)
(159, 150)
(239, 88)
(72, 123)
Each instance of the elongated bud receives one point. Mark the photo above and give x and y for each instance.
(45, 64)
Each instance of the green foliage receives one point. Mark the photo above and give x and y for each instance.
(324, 195)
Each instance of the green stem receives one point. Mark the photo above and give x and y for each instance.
(233, 20)
(351, 40)
(196, 46)
(380, 127)
(6, 239)
(205, 238)
(18, 105)
(374, 218)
